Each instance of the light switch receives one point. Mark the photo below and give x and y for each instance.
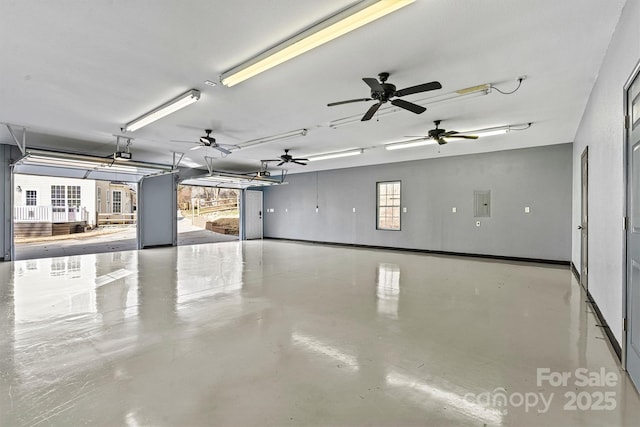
(354, 210)
(454, 210)
(526, 209)
(404, 209)
(317, 209)
(477, 223)
(286, 209)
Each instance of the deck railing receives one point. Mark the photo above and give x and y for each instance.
(117, 218)
(47, 214)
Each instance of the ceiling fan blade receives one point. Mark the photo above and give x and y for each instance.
(449, 134)
(348, 101)
(221, 149)
(414, 108)
(197, 147)
(281, 163)
(180, 140)
(370, 112)
(373, 84)
(271, 160)
(441, 141)
(299, 163)
(425, 87)
(301, 160)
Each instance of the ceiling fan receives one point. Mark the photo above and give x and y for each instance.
(287, 158)
(209, 141)
(382, 92)
(439, 135)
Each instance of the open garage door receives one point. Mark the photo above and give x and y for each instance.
(84, 204)
(240, 182)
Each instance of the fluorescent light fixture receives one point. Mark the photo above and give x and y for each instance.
(445, 98)
(335, 155)
(272, 138)
(337, 25)
(172, 106)
(409, 144)
(498, 130)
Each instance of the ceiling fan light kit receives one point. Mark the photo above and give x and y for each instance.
(333, 27)
(335, 155)
(172, 106)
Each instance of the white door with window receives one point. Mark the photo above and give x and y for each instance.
(253, 214)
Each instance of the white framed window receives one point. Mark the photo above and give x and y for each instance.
(99, 198)
(58, 199)
(117, 202)
(388, 209)
(31, 198)
(73, 197)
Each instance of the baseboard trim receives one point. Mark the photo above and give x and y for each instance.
(605, 326)
(430, 252)
(575, 271)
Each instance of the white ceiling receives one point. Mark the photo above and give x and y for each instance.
(74, 72)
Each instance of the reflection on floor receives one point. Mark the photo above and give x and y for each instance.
(283, 333)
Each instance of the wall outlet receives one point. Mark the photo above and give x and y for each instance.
(354, 210)
(527, 209)
(454, 210)
(404, 210)
(477, 223)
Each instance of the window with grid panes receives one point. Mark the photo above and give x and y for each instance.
(388, 205)
(58, 199)
(31, 198)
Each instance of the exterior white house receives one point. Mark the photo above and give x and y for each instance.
(53, 199)
(76, 202)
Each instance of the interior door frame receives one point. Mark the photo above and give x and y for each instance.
(584, 224)
(626, 204)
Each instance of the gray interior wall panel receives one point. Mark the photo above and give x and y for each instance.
(5, 196)
(539, 178)
(157, 211)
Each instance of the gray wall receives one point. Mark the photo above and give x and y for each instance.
(5, 197)
(157, 211)
(536, 177)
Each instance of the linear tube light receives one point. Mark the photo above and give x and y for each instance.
(343, 22)
(272, 138)
(497, 130)
(409, 144)
(466, 93)
(335, 155)
(172, 106)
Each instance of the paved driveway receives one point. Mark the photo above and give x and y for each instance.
(124, 240)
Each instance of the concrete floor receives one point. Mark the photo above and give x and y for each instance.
(124, 240)
(261, 333)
